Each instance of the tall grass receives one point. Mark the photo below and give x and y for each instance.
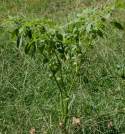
(57, 9)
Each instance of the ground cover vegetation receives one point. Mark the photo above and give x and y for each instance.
(64, 78)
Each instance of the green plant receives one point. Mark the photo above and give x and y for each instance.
(63, 48)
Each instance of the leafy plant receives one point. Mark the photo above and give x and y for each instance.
(63, 48)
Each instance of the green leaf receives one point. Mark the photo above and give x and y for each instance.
(30, 48)
(15, 32)
(59, 36)
(29, 32)
(89, 27)
(100, 33)
(42, 29)
(117, 25)
(41, 48)
(27, 48)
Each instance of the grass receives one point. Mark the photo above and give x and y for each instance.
(57, 10)
(29, 99)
